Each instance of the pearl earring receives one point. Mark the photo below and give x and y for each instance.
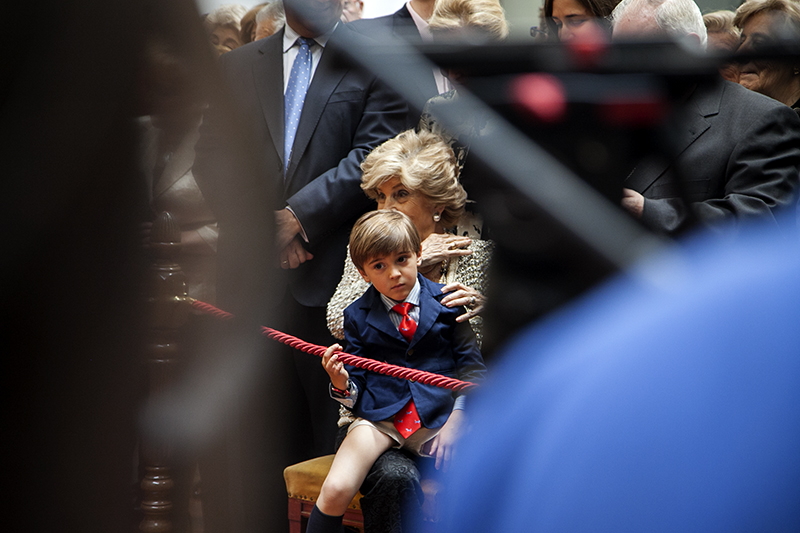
(436, 217)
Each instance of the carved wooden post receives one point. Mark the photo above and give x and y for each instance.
(168, 312)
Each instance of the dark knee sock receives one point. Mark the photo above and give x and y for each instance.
(319, 522)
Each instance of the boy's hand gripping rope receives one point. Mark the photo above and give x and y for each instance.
(411, 374)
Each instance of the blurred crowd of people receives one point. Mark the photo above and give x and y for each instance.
(232, 25)
(276, 229)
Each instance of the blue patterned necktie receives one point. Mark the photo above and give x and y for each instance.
(295, 95)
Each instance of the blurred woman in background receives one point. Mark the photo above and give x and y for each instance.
(248, 24)
(223, 26)
(766, 23)
(578, 19)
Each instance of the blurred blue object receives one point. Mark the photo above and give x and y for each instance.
(667, 400)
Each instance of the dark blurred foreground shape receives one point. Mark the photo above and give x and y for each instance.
(73, 269)
(666, 400)
(73, 266)
(603, 115)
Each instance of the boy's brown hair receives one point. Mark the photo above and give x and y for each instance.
(380, 233)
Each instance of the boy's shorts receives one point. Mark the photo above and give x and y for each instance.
(418, 443)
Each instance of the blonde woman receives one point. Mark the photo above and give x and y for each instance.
(416, 173)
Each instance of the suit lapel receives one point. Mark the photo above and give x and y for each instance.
(268, 76)
(404, 27)
(429, 309)
(378, 317)
(691, 123)
(326, 79)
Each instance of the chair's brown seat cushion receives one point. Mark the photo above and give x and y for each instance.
(304, 480)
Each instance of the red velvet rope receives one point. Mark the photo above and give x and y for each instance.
(411, 374)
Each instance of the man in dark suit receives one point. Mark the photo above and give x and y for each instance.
(739, 157)
(308, 191)
(409, 25)
(345, 114)
(737, 153)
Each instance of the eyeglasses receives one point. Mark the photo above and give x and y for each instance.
(536, 31)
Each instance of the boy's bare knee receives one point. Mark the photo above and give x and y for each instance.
(335, 496)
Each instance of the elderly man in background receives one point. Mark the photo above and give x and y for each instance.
(737, 152)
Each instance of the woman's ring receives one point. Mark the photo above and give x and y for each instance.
(471, 302)
(284, 262)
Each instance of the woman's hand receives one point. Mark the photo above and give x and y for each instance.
(440, 246)
(334, 368)
(445, 442)
(461, 295)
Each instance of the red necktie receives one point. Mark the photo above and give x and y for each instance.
(407, 420)
(407, 325)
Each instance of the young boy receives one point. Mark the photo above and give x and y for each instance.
(399, 320)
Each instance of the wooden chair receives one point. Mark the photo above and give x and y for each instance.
(304, 481)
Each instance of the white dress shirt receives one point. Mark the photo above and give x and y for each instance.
(442, 83)
(291, 47)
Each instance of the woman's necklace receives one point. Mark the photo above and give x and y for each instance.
(443, 271)
(436, 272)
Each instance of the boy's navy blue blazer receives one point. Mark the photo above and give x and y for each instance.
(440, 345)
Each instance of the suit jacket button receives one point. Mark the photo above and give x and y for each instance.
(411, 352)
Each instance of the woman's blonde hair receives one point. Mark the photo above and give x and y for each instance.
(720, 21)
(485, 16)
(790, 8)
(719, 25)
(425, 164)
(226, 15)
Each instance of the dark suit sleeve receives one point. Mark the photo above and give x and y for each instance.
(467, 355)
(354, 345)
(763, 174)
(335, 196)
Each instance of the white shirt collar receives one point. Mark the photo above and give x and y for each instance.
(290, 37)
(421, 23)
